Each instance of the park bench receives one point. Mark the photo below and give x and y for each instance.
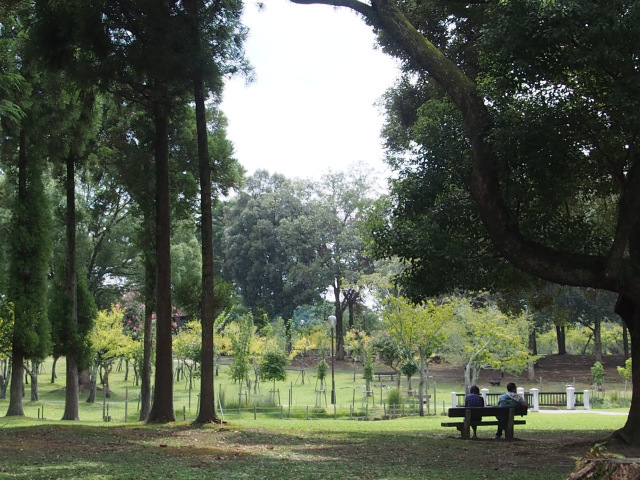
(467, 412)
(391, 375)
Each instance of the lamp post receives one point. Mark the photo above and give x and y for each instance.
(332, 321)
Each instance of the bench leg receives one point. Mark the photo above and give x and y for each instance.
(508, 433)
(467, 426)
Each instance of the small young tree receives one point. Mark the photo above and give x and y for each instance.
(360, 345)
(109, 343)
(186, 348)
(272, 367)
(625, 372)
(239, 334)
(389, 352)
(409, 369)
(321, 372)
(300, 349)
(597, 373)
(486, 338)
(418, 330)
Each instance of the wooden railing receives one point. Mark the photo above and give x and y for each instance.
(545, 399)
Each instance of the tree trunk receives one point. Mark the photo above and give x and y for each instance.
(562, 345)
(421, 384)
(625, 340)
(149, 308)
(533, 344)
(33, 374)
(207, 396)
(351, 307)
(16, 391)
(531, 372)
(162, 409)
(72, 390)
(53, 370)
(6, 376)
(340, 352)
(629, 311)
(207, 411)
(467, 376)
(105, 380)
(93, 384)
(597, 338)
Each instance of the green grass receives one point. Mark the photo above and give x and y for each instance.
(305, 401)
(407, 448)
(265, 446)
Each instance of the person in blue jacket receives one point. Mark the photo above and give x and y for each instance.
(509, 399)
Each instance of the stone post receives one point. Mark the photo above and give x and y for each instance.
(571, 398)
(484, 392)
(587, 401)
(535, 400)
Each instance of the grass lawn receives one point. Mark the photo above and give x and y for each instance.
(405, 448)
(40, 446)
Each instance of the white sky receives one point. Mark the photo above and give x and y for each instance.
(311, 107)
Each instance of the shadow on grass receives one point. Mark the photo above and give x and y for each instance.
(184, 451)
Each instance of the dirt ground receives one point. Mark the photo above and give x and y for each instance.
(560, 369)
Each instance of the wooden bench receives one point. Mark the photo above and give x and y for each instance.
(391, 375)
(467, 412)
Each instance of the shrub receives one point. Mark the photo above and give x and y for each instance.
(394, 398)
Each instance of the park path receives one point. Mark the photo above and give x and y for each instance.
(597, 412)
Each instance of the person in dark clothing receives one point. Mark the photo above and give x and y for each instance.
(474, 399)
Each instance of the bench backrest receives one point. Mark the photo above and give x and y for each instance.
(485, 411)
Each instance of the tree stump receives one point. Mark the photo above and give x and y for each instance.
(600, 466)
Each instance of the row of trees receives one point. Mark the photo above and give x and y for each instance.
(108, 152)
(112, 94)
(470, 330)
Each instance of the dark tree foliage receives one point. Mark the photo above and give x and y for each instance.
(272, 246)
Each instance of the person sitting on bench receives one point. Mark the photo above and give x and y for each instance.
(510, 399)
(474, 399)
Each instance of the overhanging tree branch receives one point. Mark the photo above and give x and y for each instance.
(483, 183)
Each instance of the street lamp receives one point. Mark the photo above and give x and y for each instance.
(332, 321)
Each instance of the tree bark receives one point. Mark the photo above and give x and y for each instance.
(560, 336)
(33, 374)
(53, 370)
(93, 384)
(149, 308)
(421, 385)
(207, 411)
(340, 352)
(597, 338)
(629, 311)
(625, 340)
(16, 390)
(207, 395)
(72, 390)
(162, 409)
(533, 344)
